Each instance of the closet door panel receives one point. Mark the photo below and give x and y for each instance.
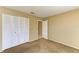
(15, 39)
(6, 42)
(21, 30)
(26, 29)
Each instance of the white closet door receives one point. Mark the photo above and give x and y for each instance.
(23, 30)
(6, 22)
(14, 34)
(15, 31)
(20, 30)
(21, 37)
(26, 29)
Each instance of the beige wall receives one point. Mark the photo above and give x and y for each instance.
(33, 29)
(32, 22)
(64, 28)
(39, 29)
(0, 32)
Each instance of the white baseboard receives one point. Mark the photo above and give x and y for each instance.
(1, 50)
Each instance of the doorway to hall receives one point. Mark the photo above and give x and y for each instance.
(43, 29)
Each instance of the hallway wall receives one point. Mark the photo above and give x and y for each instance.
(45, 29)
(39, 29)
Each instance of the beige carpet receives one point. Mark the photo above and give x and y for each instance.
(41, 46)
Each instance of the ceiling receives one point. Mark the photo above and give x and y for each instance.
(43, 11)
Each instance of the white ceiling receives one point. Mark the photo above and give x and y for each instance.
(43, 11)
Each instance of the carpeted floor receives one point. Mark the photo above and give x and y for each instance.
(41, 46)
